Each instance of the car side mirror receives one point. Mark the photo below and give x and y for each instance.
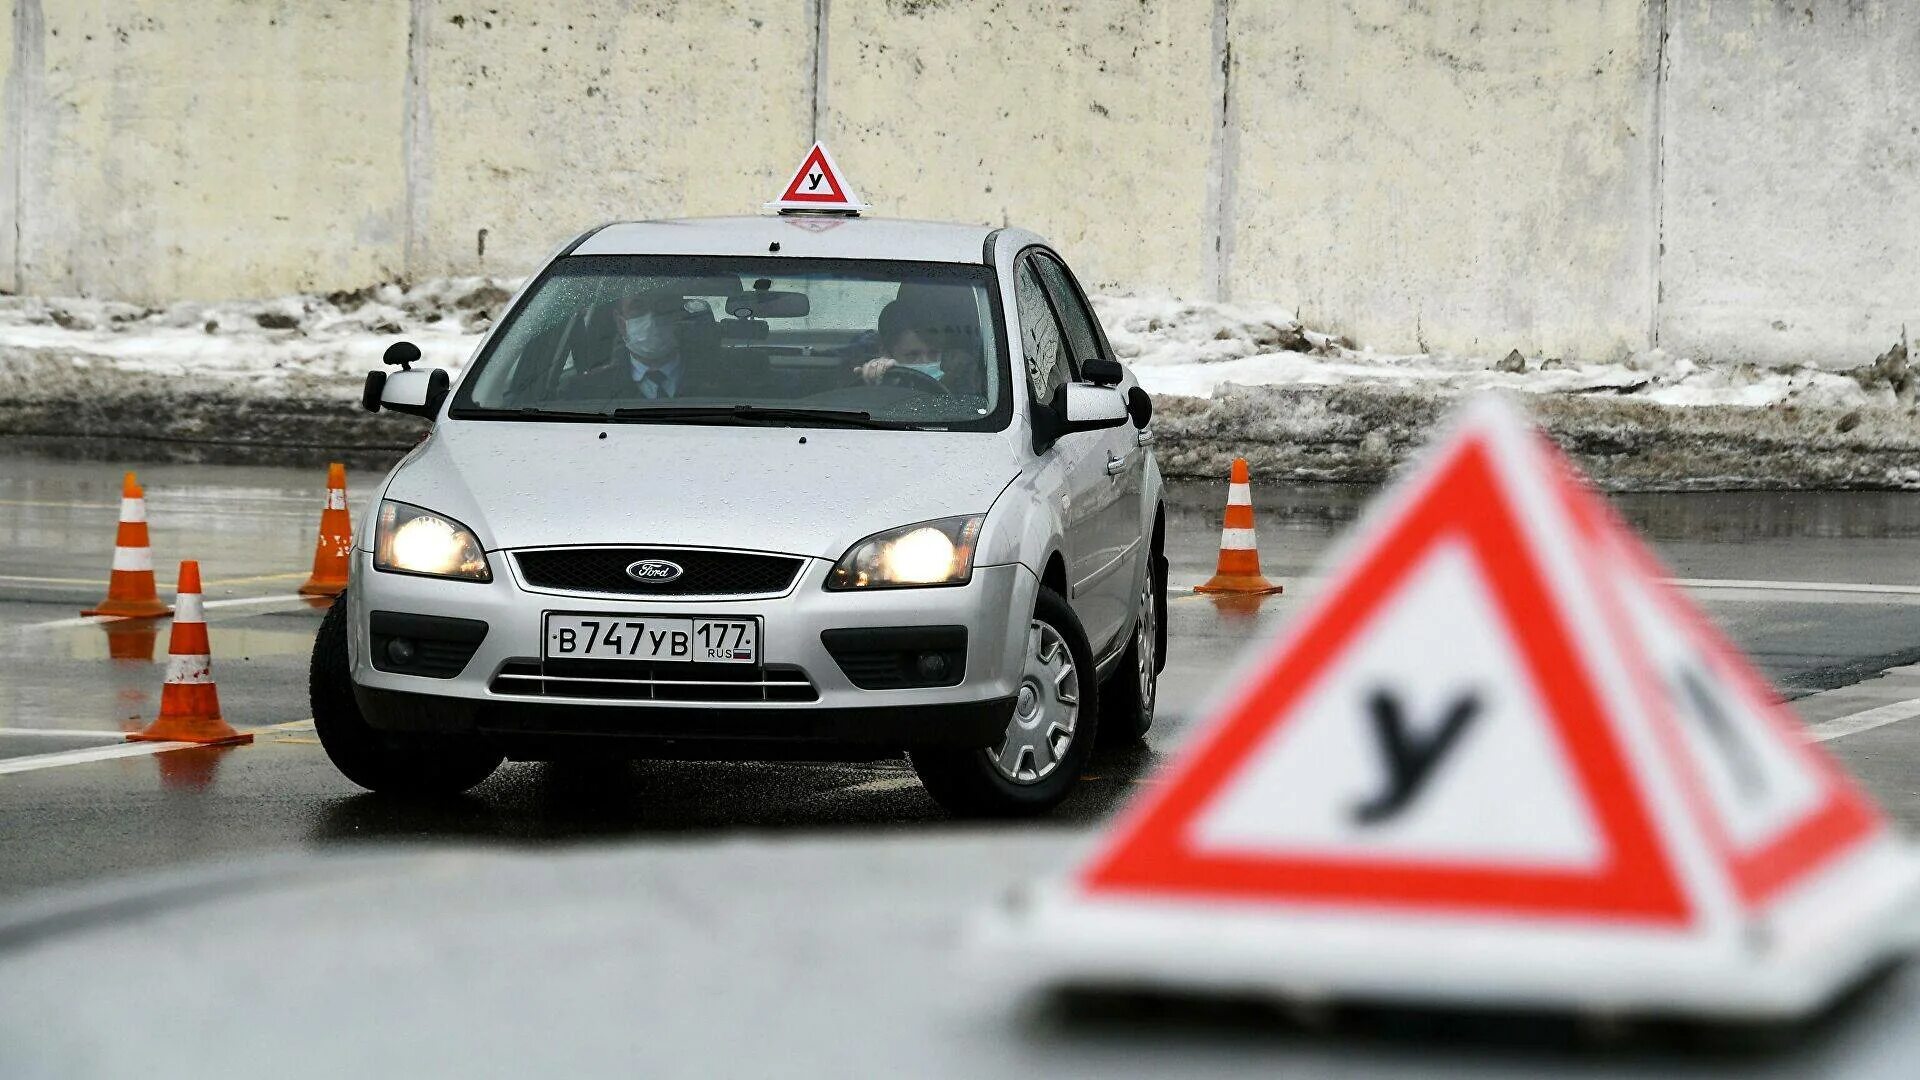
(418, 393)
(1102, 372)
(1140, 407)
(1091, 408)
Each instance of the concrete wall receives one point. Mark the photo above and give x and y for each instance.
(1472, 176)
(217, 147)
(1088, 122)
(1475, 176)
(534, 121)
(1792, 179)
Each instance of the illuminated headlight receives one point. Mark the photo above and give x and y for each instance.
(410, 540)
(927, 553)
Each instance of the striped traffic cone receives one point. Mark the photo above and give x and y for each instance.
(189, 702)
(1238, 571)
(130, 591)
(335, 543)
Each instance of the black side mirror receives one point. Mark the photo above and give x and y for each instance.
(418, 393)
(1140, 407)
(1102, 372)
(376, 386)
(401, 354)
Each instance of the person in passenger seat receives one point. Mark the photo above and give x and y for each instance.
(654, 352)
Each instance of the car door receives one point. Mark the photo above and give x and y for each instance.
(1116, 452)
(1090, 492)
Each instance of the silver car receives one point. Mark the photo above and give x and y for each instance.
(755, 488)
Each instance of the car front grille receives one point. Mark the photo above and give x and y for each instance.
(649, 680)
(603, 570)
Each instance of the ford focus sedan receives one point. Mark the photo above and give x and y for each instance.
(804, 486)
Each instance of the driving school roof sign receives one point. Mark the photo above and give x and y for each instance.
(1501, 762)
(818, 186)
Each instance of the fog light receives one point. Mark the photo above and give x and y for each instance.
(931, 665)
(400, 651)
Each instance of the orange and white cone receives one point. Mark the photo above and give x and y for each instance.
(130, 591)
(190, 702)
(1238, 571)
(334, 547)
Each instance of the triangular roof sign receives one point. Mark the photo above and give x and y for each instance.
(818, 185)
(1498, 761)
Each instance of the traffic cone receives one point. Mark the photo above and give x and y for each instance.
(189, 702)
(335, 543)
(130, 591)
(1238, 571)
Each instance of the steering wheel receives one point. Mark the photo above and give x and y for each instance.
(907, 378)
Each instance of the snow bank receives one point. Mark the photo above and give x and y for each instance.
(1194, 348)
(1232, 379)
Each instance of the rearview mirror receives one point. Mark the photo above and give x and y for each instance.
(767, 304)
(1102, 372)
(1092, 408)
(418, 393)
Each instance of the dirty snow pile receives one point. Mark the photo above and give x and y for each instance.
(1195, 348)
(1177, 347)
(306, 338)
(1234, 380)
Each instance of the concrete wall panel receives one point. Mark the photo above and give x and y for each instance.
(543, 119)
(1087, 122)
(1472, 176)
(10, 138)
(216, 149)
(1792, 208)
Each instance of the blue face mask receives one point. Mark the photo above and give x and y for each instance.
(931, 369)
(648, 337)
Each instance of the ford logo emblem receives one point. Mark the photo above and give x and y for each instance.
(654, 571)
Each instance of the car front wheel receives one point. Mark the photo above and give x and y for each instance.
(389, 763)
(1044, 749)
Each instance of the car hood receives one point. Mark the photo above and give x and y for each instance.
(803, 491)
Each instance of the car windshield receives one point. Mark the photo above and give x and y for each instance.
(678, 339)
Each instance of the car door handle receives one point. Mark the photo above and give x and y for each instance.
(1117, 465)
(1143, 438)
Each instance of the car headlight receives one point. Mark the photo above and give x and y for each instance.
(410, 540)
(926, 553)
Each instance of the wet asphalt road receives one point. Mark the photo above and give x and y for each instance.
(1823, 589)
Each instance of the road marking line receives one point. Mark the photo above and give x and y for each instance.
(290, 600)
(62, 733)
(891, 783)
(1863, 587)
(33, 762)
(1796, 586)
(1854, 723)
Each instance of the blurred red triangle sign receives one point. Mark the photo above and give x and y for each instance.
(1499, 760)
(818, 185)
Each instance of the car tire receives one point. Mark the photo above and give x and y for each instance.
(1012, 779)
(384, 762)
(1127, 698)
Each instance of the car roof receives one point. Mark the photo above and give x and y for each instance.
(799, 236)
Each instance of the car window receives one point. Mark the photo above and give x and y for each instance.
(1041, 336)
(613, 336)
(1083, 341)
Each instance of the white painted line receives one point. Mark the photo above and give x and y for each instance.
(62, 733)
(1797, 586)
(1854, 723)
(891, 783)
(34, 762)
(290, 600)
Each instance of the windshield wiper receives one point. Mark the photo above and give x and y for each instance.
(756, 414)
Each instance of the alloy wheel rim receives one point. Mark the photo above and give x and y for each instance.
(1146, 639)
(1045, 712)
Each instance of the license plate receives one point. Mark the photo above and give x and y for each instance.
(645, 637)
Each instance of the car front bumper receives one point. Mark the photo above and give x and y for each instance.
(843, 720)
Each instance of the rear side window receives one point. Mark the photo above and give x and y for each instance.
(1041, 336)
(1082, 340)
